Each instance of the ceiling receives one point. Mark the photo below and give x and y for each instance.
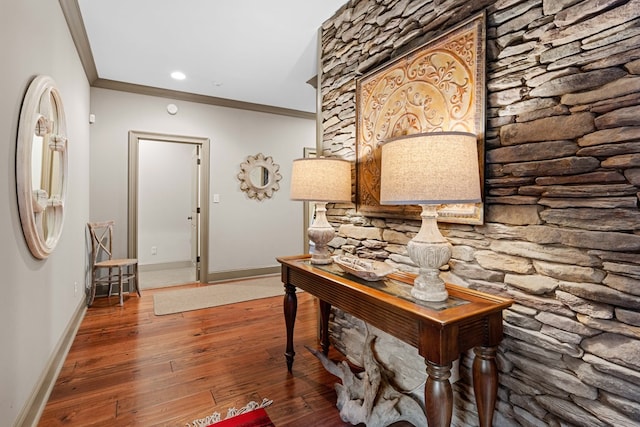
(250, 51)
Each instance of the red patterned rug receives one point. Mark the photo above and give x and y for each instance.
(251, 415)
(256, 418)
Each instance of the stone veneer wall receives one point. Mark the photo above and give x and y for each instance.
(562, 226)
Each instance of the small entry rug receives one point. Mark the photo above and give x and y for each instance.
(252, 415)
(177, 301)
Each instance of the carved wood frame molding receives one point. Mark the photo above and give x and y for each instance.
(269, 181)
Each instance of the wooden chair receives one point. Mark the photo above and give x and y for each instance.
(104, 268)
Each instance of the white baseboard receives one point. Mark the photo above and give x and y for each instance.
(164, 266)
(32, 410)
(241, 274)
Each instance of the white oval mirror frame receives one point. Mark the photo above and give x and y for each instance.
(41, 166)
(259, 176)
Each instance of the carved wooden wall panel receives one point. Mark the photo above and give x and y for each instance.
(437, 87)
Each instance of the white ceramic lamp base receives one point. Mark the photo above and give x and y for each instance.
(430, 251)
(321, 233)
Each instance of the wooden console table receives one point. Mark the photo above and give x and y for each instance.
(440, 331)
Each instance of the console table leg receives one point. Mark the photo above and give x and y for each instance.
(325, 310)
(438, 395)
(485, 383)
(290, 310)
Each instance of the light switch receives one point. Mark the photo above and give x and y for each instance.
(216, 198)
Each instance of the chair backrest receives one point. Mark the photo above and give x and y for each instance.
(101, 240)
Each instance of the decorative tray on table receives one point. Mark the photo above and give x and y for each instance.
(364, 268)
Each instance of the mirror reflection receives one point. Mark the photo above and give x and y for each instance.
(259, 176)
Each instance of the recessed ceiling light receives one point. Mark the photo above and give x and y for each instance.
(178, 75)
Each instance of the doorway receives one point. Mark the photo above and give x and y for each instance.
(168, 207)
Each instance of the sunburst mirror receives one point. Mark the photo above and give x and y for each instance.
(259, 177)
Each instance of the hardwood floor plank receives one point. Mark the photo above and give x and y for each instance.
(129, 367)
(77, 414)
(165, 413)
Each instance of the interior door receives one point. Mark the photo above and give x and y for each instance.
(191, 171)
(195, 210)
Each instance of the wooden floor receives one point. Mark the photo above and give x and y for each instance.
(129, 367)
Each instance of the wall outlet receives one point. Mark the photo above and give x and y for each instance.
(154, 250)
(75, 288)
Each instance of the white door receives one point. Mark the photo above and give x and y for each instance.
(165, 188)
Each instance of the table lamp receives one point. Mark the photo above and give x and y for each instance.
(430, 169)
(321, 180)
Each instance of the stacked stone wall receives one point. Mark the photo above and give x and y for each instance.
(562, 226)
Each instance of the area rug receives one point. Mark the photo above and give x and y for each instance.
(180, 300)
(251, 415)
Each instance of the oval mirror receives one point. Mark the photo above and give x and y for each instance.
(259, 176)
(41, 166)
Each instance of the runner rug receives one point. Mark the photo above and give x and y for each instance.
(188, 299)
(252, 415)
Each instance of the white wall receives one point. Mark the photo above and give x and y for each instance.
(38, 297)
(244, 233)
(164, 201)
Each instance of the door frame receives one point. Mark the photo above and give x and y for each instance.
(132, 218)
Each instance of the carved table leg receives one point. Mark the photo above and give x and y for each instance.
(325, 309)
(290, 310)
(438, 395)
(485, 383)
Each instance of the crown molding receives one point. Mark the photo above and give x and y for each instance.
(201, 99)
(71, 11)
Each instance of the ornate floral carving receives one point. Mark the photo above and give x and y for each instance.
(438, 87)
